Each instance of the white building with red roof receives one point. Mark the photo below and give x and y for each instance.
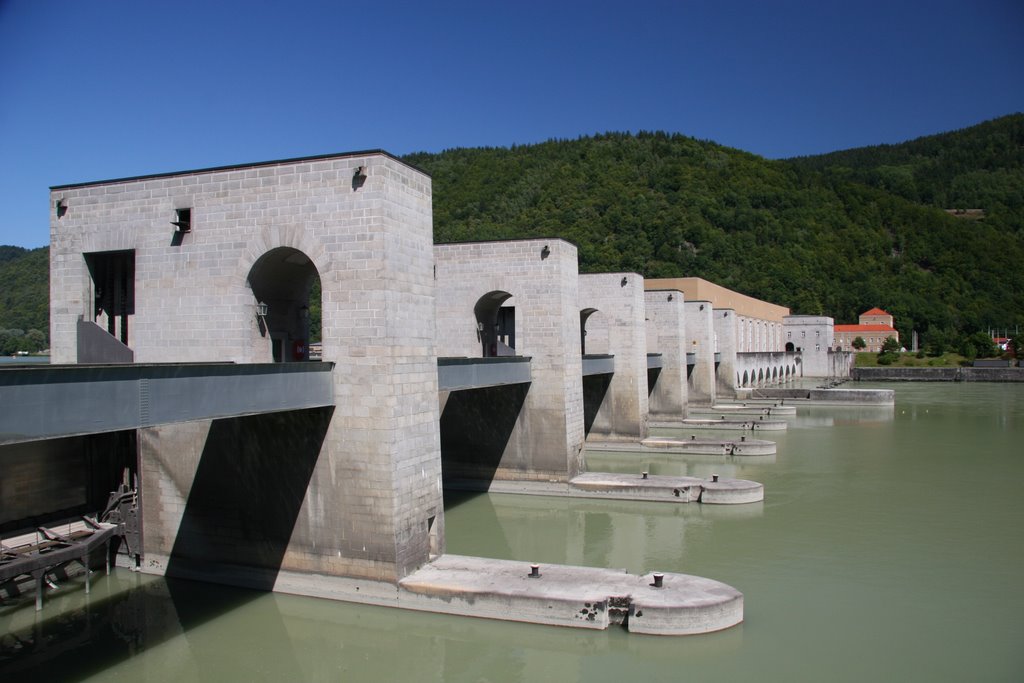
(874, 328)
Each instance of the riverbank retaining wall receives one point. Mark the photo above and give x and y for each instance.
(891, 374)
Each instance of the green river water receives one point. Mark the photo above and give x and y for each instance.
(889, 547)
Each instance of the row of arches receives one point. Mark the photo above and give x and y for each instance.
(766, 376)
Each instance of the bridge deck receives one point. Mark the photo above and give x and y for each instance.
(58, 401)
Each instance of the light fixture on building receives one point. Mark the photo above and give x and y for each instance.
(360, 173)
(624, 282)
(62, 208)
(261, 310)
(545, 252)
(670, 297)
(702, 307)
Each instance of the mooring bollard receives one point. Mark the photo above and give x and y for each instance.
(658, 579)
(714, 477)
(693, 437)
(534, 571)
(743, 438)
(645, 474)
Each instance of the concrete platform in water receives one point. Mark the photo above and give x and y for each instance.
(759, 423)
(691, 446)
(773, 410)
(827, 397)
(560, 595)
(584, 597)
(638, 487)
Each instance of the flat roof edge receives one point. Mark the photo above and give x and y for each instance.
(233, 167)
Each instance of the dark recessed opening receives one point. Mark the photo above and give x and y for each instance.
(184, 220)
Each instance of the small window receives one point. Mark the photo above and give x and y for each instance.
(817, 333)
(184, 220)
(789, 335)
(803, 335)
(817, 347)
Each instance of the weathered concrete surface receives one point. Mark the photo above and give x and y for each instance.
(617, 302)
(617, 486)
(700, 336)
(563, 595)
(666, 334)
(541, 429)
(583, 597)
(744, 409)
(662, 487)
(892, 374)
(689, 446)
(362, 224)
(759, 423)
(832, 396)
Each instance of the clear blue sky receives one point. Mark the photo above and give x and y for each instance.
(101, 89)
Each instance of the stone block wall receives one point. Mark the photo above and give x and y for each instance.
(700, 333)
(726, 326)
(666, 334)
(376, 483)
(618, 299)
(546, 438)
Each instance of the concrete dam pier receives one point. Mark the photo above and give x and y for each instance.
(181, 325)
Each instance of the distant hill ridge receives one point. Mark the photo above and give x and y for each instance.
(834, 234)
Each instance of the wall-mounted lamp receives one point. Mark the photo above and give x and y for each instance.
(261, 310)
(624, 282)
(702, 307)
(726, 314)
(545, 252)
(670, 297)
(360, 173)
(479, 326)
(62, 208)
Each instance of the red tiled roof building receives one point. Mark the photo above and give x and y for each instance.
(874, 328)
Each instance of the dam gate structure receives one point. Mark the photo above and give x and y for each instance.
(217, 266)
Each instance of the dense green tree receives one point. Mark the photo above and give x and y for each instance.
(859, 343)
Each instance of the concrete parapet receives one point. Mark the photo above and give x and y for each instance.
(726, 342)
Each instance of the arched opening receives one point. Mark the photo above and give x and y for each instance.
(496, 324)
(746, 379)
(760, 378)
(584, 316)
(281, 281)
(789, 347)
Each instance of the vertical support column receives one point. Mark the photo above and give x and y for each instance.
(725, 320)
(666, 318)
(619, 299)
(700, 333)
(534, 432)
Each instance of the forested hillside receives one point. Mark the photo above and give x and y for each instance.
(981, 167)
(667, 205)
(835, 234)
(24, 299)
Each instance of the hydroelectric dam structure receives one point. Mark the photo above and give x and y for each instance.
(180, 314)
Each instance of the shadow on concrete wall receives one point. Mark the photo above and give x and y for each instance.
(246, 495)
(476, 425)
(652, 379)
(595, 388)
